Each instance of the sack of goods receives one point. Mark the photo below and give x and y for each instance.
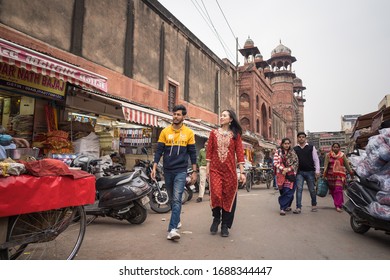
(322, 187)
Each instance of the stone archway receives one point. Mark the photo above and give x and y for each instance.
(245, 124)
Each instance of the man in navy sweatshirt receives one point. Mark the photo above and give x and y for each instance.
(175, 144)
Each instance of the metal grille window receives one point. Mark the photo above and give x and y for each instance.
(172, 89)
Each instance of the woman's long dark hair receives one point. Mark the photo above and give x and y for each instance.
(234, 124)
(281, 144)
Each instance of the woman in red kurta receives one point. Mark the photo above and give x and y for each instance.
(224, 151)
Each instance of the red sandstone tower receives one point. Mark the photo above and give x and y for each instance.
(284, 84)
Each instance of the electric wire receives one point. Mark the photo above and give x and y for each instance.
(206, 17)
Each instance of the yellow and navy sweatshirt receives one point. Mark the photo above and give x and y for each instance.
(175, 146)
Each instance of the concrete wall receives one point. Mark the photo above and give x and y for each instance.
(48, 21)
(103, 39)
(46, 26)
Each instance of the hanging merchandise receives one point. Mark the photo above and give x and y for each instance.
(57, 143)
(51, 118)
(133, 138)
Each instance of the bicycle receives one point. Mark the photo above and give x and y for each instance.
(48, 235)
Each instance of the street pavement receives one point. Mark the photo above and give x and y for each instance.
(258, 233)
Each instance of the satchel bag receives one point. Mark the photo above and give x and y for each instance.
(280, 179)
(322, 187)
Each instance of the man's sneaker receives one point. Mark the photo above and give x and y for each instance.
(179, 225)
(173, 234)
(214, 226)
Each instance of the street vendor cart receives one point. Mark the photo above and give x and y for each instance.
(43, 217)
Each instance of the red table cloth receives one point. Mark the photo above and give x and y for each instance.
(26, 194)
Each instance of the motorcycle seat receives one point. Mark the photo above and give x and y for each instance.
(370, 184)
(108, 182)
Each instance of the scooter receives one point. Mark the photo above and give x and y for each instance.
(122, 196)
(361, 193)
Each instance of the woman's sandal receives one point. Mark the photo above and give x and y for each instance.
(288, 209)
(282, 213)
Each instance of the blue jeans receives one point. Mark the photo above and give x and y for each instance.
(175, 183)
(309, 177)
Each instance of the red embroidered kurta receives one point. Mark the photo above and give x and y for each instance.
(222, 151)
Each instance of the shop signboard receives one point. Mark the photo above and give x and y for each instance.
(29, 81)
(24, 58)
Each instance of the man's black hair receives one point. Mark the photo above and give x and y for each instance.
(180, 107)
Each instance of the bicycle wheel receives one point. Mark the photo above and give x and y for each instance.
(48, 235)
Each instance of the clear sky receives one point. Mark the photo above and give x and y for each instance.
(342, 47)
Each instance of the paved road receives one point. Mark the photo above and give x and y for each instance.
(259, 232)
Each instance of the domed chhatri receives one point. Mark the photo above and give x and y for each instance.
(281, 49)
(259, 56)
(297, 82)
(249, 43)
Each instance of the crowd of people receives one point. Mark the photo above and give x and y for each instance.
(218, 161)
(295, 166)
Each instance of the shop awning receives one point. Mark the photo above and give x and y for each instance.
(39, 63)
(247, 145)
(133, 112)
(267, 145)
(139, 116)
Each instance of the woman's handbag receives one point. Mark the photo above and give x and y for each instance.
(280, 179)
(322, 187)
(291, 177)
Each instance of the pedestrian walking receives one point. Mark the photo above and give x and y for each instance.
(335, 166)
(202, 172)
(308, 170)
(175, 144)
(286, 165)
(223, 152)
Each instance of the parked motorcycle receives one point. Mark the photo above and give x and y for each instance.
(122, 196)
(159, 199)
(189, 187)
(361, 193)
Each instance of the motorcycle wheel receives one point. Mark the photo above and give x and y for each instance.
(184, 197)
(269, 179)
(159, 201)
(358, 227)
(190, 193)
(248, 184)
(137, 214)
